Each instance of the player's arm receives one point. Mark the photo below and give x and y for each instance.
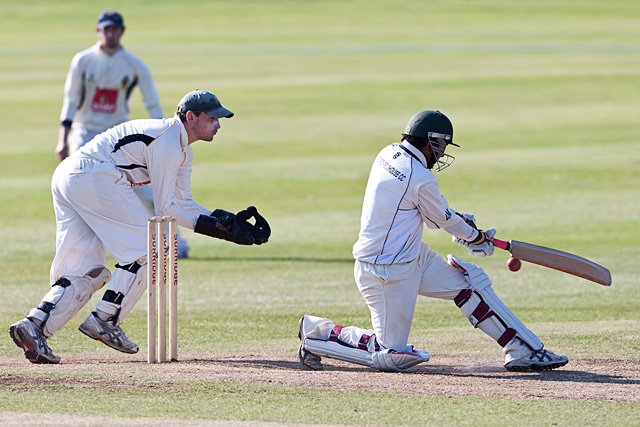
(73, 90)
(164, 157)
(62, 148)
(164, 162)
(482, 244)
(183, 194)
(437, 213)
(147, 86)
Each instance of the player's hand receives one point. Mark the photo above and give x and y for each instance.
(223, 227)
(62, 148)
(62, 151)
(236, 228)
(259, 230)
(482, 246)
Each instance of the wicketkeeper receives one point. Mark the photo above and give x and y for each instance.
(393, 266)
(97, 210)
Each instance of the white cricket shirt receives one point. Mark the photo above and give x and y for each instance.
(98, 88)
(154, 151)
(402, 196)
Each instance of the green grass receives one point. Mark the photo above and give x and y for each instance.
(194, 401)
(543, 96)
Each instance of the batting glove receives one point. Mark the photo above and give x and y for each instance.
(482, 246)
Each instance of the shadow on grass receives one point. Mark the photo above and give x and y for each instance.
(275, 259)
(475, 372)
(274, 365)
(560, 375)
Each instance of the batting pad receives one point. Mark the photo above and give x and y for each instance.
(338, 351)
(398, 361)
(385, 360)
(502, 312)
(486, 311)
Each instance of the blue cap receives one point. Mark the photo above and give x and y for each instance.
(201, 100)
(110, 17)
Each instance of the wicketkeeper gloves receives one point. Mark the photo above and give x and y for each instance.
(260, 230)
(224, 225)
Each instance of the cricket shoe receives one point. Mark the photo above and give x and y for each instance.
(29, 338)
(541, 360)
(107, 333)
(308, 360)
(183, 251)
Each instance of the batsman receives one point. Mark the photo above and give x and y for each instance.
(393, 265)
(97, 211)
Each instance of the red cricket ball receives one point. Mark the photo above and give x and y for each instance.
(514, 264)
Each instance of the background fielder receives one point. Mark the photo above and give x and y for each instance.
(97, 211)
(98, 88)
(393, 266)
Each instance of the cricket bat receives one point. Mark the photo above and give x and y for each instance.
(557, 260)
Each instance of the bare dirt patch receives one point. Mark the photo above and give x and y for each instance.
(591, 380)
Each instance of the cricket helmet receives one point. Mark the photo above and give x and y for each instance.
(435, 129)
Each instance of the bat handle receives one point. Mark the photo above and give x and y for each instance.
(501, 244)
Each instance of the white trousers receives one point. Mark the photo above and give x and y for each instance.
(391, 292)
(96, 211)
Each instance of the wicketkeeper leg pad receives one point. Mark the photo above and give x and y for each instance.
(66, 298)
(486, 311)
(128, 284)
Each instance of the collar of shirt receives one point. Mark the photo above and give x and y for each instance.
(98, 47)
(184, 138)
(415, 152)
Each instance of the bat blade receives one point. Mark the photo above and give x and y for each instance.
(557, 260)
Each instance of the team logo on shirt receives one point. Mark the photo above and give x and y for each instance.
(447, 214)
(393, 171)
(104, 101)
